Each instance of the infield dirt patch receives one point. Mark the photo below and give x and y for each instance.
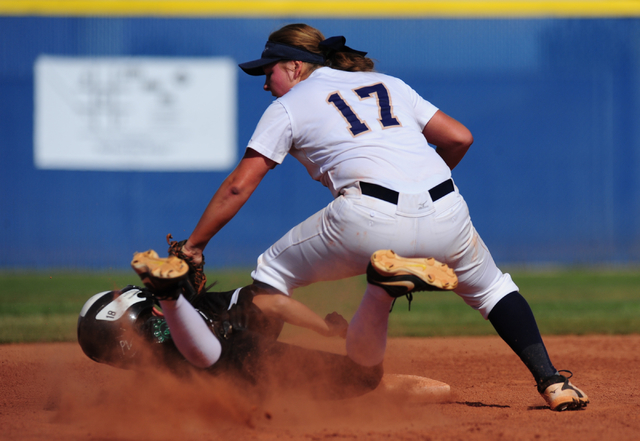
(54, 392)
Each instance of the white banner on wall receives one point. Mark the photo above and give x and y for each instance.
(135, 113)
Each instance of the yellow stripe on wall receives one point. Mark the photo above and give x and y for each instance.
(324, 8)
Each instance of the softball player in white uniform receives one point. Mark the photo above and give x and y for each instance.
(366, 136)
(389, 150)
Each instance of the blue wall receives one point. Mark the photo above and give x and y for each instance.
(552, 176)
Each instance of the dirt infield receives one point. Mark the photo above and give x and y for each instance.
(53, 392)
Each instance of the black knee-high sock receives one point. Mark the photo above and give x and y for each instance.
(513, 319)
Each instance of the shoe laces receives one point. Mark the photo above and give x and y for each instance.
(552, 380)
(409, 297)
(569, 372)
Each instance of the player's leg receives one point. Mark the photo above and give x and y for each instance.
(515, 323)
(281, 366)
(390, 276)
(484, 287)
(367, 332)
(513, 319)
(189, 331)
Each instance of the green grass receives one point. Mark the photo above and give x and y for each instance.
(44, 306)
(604, 302)
(564, 302)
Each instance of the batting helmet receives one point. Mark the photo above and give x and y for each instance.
(110, 325)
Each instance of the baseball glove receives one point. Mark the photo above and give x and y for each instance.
(196, 274)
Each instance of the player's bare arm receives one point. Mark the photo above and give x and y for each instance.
(297, 314)
(227, 201)
(451, 138)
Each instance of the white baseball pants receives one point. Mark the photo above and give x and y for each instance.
(337, 242)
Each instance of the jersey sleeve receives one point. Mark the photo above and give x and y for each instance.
(273, 135)
(424, 110)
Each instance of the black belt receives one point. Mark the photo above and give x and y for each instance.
(382, 193)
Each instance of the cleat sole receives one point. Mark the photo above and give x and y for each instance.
(387, 263)
(161, 268)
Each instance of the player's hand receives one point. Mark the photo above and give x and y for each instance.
(194, 258)
(337, 324)
(195, 254)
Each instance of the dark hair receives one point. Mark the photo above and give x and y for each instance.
(309, 38)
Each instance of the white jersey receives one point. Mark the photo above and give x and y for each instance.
(347, 127)
(353, 126)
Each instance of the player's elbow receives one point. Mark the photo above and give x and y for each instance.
(462, 140)
(235, 190)
(469, 140)
(460, 144)
(238, 190)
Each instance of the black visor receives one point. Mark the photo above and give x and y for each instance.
(276, 52)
